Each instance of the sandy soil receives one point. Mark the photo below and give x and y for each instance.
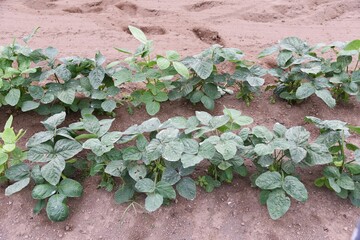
(232, 212)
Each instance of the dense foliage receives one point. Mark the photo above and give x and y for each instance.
(157, 158)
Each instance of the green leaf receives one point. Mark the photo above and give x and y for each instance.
(268, 51)
(346, 182)
(40, 204)
(153, 201)
(13, 96)
(138, 34)
(318, 154)
(52, 171)
(202, 68)
(131, 154)
(43, 191)
(211, 90)
(305, 91)
(56, 209)
(227, 149)
(145, 185)
(161, 97)
(277, 204)
(165, 190)
(181, 69)
(353, 45)
(334, 185)
(269, 180)
(96, 77)
(262, 149)
(170, 176)
(298, 135)
(186, 188)
(295, 188)
(115, 168)
(67, 95)
(207, 150)
(70, 188)
(297, 154)
(203, 117)
(16, 187)
(124, 194)
(325, 95)
(190, 160)
(255, 81)
(52, 122)
(163, 63)
(108, 105)
(137, 172)
(262, 132)
(208, 102)
(29, 105)
(17, 172)
(152, 108)
(36, 92)
(173, 150)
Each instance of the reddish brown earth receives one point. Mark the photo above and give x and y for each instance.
(231, 212)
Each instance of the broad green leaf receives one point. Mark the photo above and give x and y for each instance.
(96, 77)
(3, 158)
(138, 34)
(211, 90)
(115, 168)
(145, 185)
(186, 188)
(36, 92)
(227, 149)
(43, 191)
(70, 188)
(353, 45)
(52, 170)
(172, 55)
(124, 194)
(297, 154)
(202, 68)
(137, 172)
(268, 51)
(255, 81)
(207, 150)
(318, 154)
(190, 160)
(203, 117)
(40, 205)
(218, 121)
(152, 108)
(91, 123)
(52, 122)
(165, 190)
(16, 187)
(170, 176)
(269, 180)
(108, 105)
(295, 188)
(40, 153)
(334, 185)
(277, 204)
(163, 63)
(262, 149)
(208, 102)
(13, 96)
(173, 150)
(131, 154)
(67, 95)
(299, 135)
(346, 182)
(29, 105)
(325, 95)
(262, 132)
(17, 172)
(305, 91)
(153, 201)
(181, 69)
(56, 209)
